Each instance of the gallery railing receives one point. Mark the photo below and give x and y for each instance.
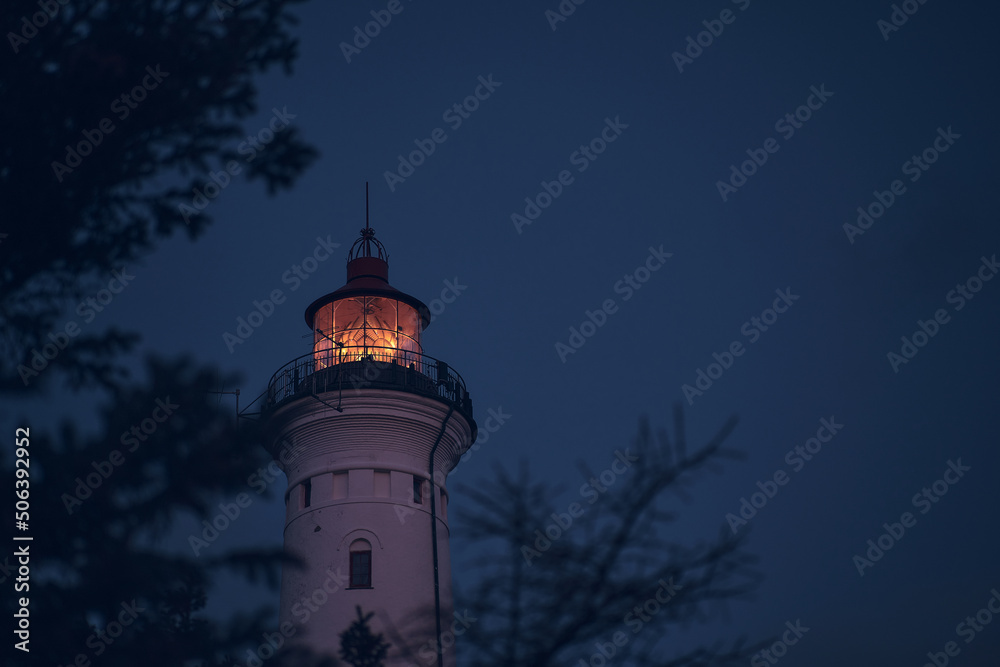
(348, 369)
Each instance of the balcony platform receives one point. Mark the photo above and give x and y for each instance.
(351, 368)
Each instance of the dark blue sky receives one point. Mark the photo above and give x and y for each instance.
(656, 184)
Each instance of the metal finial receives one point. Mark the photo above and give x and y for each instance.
(367, 245)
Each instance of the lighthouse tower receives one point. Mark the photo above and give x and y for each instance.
(366, 428)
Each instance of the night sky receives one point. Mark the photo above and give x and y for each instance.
(686, 194)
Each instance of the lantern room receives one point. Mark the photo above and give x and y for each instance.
(367, 318)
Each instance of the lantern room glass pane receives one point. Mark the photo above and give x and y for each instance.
(322, 345)
(365, 326)
(408, 323)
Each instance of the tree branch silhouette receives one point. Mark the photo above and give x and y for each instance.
(67, 231)
(545, 599)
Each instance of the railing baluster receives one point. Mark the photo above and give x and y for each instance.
(407, 369)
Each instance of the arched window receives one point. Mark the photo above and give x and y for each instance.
(361, 564)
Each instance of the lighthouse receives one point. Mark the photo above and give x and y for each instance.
(366, 427)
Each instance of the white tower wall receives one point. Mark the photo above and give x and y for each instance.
(360, 465)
